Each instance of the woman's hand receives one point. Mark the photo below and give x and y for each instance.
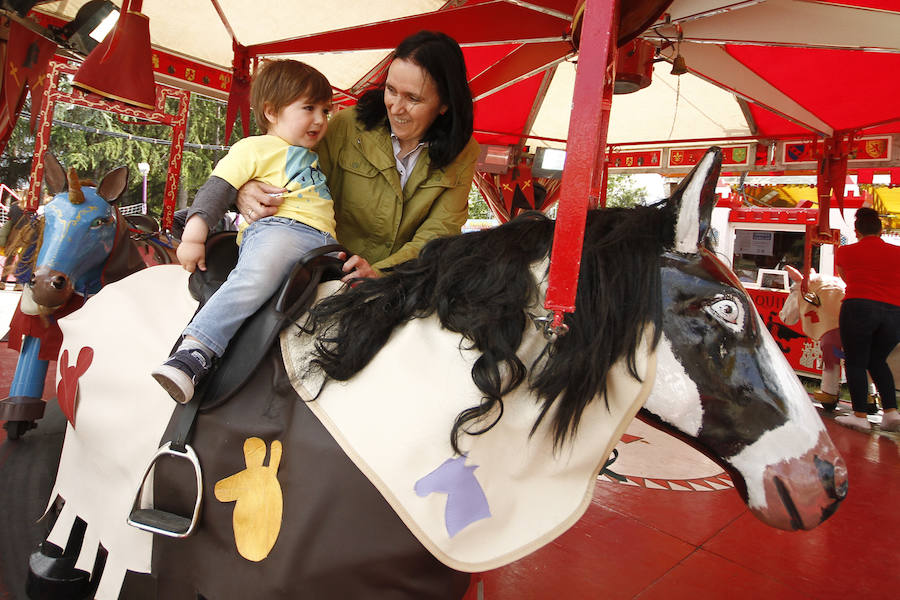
(356, 267)
(256, 200)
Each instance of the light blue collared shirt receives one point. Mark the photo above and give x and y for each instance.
(406, 163)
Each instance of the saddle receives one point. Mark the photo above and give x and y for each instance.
(259, 331)
(245, 351)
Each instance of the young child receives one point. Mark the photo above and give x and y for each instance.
(291, 102)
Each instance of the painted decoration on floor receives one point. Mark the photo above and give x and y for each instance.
(258, 500)
(651, 459)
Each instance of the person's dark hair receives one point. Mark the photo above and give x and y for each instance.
(280, 82)
(867, 222)
(442, 59)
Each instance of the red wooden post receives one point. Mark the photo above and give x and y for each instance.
(173, 175)
(586, 149)
(42, 138)
(178, 123)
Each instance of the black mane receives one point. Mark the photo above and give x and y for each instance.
(480, 285)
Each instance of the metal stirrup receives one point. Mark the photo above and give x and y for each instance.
(160, 521)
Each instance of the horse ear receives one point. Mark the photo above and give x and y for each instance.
(694, 199)
(113, 184)
(54, 174)
(793, 273)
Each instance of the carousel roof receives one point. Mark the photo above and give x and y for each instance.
(766, 68)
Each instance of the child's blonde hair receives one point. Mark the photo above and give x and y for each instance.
(277, 83)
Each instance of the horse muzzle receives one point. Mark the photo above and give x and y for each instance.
(802, 492)
(50, 289)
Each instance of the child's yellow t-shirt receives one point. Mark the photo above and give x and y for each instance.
(270, 159)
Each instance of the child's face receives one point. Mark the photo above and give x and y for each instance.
(300, 123)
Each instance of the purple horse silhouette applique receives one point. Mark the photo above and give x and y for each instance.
(466, 502)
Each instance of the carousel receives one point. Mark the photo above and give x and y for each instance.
(640, 430)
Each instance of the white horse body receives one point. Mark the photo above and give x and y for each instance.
(393, 418)
(102, 454)
(815, 320)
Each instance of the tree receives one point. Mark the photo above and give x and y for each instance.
(95, 142)
(478, 208)
(623, 191)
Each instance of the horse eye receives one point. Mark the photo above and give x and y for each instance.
(99, 222)
(812, 298)
(726, 310)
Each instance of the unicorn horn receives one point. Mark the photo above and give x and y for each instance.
(75, 194)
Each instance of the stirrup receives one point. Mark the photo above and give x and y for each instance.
(160, 521)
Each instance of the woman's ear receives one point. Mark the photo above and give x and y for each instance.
(443, 109)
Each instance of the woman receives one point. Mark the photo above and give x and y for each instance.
(400, 163)
(869, 319)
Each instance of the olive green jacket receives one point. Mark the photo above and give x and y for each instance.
(376, 219)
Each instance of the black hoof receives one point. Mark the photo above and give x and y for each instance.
(16, 429)
(52, 576)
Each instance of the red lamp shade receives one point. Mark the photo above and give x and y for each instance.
(121, 66)
(634, 66)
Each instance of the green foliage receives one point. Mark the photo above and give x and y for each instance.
(624, 192)
(94, 154)
(478, 208)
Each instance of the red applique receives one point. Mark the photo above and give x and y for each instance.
(67, 389)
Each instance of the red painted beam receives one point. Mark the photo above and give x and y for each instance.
(488, 23)
(588, 127)
(523, 62)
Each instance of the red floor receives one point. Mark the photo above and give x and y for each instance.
(663, 544)
(635, 542)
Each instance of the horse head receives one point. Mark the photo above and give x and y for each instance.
(85, 241)
(724, 384)
(817, 309)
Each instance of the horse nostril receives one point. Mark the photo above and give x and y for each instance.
(58, 282)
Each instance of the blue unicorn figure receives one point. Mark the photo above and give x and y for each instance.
(82, 243)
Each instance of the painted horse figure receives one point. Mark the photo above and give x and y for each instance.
(82, 242)
(434, 385)
(817, 311)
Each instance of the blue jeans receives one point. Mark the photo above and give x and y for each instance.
(269, 250)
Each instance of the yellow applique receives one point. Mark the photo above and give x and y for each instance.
(257, 512)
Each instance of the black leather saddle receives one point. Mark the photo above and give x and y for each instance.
(259, 331)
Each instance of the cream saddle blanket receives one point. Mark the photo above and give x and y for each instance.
(510, 492)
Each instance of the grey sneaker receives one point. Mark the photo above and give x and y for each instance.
(182, 372)
(890, 421)
(854, 422)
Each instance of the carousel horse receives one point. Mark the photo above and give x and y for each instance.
(80, 243)
(424, 425)
(817, 312)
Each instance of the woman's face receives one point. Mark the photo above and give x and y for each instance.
(412, 101)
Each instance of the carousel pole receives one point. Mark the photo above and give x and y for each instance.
(586, 151)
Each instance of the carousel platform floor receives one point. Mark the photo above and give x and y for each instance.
(668, 526)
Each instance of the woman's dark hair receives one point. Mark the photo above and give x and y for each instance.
(867, 221)
(442, 59)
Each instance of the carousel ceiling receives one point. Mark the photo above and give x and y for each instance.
(767, 68)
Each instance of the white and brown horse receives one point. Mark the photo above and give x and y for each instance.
(421, 426)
